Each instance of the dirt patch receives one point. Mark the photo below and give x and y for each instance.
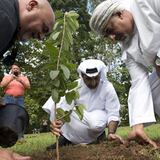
(103, 151)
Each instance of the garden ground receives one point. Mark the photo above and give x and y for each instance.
(35, 145)
(103, 151)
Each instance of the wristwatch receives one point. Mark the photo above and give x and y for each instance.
(157, 61)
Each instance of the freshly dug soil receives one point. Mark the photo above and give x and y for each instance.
(102, 151)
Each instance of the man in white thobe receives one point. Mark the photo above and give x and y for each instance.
(101, 103)
(136, 24)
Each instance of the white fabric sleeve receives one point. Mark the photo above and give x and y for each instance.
(112, 105)
(146, 14)
(49, 107)
(140, 103)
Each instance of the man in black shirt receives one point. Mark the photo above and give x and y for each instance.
(22, 20)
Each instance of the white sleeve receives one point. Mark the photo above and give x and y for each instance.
(140, 103)
(49, 107)
(146, 15)
(112, 105)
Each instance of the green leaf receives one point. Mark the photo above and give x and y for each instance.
(80, 111)
(55, 35)
(66, 71)
(70, 96)
(56, 83)
(54, 74)
(66, 44)
(67, 117)
(69, 35)
(59, 113)
(73, 24)
(72, 14)
(72, 85)
(55, 26)
(51, 50)
(55, 96)
(63, 115)
(77, 95)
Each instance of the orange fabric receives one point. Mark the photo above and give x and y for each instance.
(15, 88)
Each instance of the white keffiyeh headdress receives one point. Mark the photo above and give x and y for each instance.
(92, 67)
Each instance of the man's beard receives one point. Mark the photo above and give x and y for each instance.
(122, 37)
(16, 73)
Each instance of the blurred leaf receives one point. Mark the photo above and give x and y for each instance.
(59, 113)
(55, 35)
(80, 111)
(56, 83)
(67, 117)
(72, 14)
(77, 95)
(70, 96)
(72, 85)
(66, 71)
(55, 95)
(54, 74)
(62, 115)
(70, 26)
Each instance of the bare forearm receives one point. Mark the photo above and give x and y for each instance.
(112, 126)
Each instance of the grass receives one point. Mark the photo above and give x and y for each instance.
(152, 131)
(35, 143)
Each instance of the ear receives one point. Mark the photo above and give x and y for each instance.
(32, 4)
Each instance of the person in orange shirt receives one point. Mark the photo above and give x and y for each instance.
(15, 84)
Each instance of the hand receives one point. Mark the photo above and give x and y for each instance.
(8, 155)
(20, 80)
(14, 77)
(138, 133)
(56, 126)
(113, 137)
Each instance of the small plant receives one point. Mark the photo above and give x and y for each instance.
(59, 48)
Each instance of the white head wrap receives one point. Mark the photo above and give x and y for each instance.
(103, 13)
(92, 67)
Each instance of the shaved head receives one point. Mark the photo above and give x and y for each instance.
(36, 19)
